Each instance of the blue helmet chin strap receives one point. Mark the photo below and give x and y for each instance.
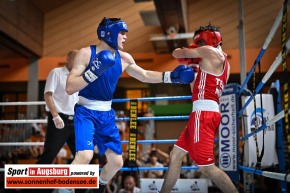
(109, 32)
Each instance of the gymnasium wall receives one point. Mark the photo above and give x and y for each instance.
(73, 25)
(17, 69)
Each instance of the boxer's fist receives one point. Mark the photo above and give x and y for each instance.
(99, 65)
(181, 74)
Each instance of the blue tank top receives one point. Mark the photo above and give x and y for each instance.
(104, 87)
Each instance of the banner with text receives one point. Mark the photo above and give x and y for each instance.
(51, 176)
(133, 134)
(181, 186)
(265, 112)
(228, 132)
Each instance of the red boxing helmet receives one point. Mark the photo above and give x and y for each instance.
(209, 34)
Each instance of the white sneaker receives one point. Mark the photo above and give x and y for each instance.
(66, 191)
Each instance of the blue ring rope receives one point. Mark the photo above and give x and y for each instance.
(159, 141)
(251, 170)
(154, 118)
(155, 168)
(152, 98)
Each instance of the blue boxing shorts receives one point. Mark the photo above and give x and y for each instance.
(96, 128)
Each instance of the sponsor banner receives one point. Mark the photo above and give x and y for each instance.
(181, 186)
(51, 176)
(133, 134)
(267, 110)
(228, 134)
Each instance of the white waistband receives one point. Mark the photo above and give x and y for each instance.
(95, 104)
(205, 105)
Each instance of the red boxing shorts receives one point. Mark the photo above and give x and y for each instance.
(198, 136)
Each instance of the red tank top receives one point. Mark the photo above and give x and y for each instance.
(209, 86)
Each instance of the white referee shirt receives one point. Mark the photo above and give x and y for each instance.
(56, 83)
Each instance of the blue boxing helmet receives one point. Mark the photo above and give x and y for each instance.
(109, 29)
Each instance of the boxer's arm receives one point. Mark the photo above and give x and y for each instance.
(207, 52)
(75, 80)
(137, 72)
(102, 61)
(178, 75)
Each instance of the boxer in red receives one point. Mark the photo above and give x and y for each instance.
(197, 139)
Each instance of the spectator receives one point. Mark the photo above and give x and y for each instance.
(162, 156)
(124, 174)
(130, 186)
(154, 163)
(121, 125)
(149, 128)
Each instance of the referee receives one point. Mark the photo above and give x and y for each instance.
(60, 109)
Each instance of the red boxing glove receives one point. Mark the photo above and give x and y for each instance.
(194, 60)
(189, 60)
(192, 46)
(183, 60)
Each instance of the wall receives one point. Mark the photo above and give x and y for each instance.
(60, 30)
(18, 68)
(74, 25)
(14, 70)
(23, 23)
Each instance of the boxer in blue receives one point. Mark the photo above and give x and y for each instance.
(95, 74)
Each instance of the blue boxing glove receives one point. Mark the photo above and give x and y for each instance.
(100, 64)
(181, 74)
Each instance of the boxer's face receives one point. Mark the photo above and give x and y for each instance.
(122, 36)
